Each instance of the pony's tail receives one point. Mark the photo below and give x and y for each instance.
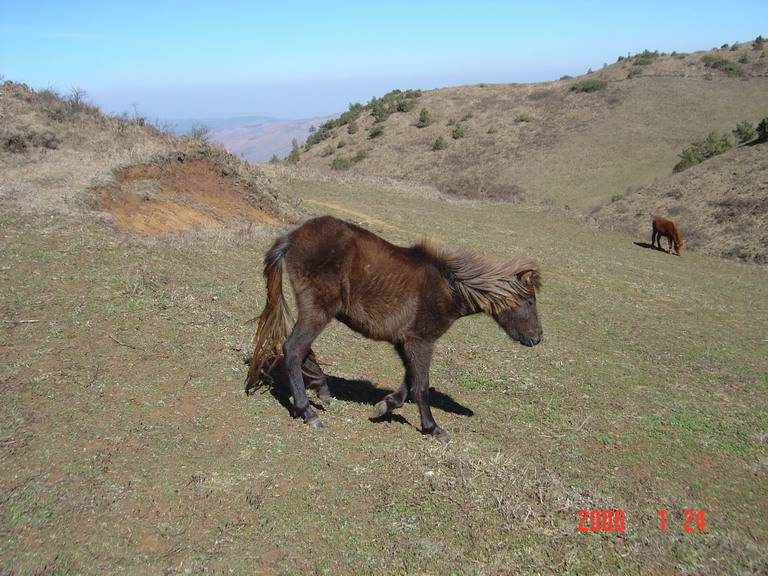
(275, 320)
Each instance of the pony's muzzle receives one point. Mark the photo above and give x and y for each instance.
(532, 341)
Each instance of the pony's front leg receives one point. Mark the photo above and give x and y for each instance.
(417, 358)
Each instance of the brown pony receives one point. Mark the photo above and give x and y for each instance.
(668, 229)
(406, 296)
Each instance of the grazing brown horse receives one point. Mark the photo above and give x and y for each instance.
(406, 296)
(667, 229)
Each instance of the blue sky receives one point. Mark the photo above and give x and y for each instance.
(296, 59)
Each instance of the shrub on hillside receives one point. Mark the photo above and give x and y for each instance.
(440, 144)
(762, 130)
(703, 149)
(424, 119)
(360, 156)
(744, 132)
(340, 164)
(293, 156)
(722, 64)
(645, 58)
(589, 86)
(394, 101)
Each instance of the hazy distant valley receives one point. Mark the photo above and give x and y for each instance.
(253, 138)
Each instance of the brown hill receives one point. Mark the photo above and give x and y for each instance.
(575, 141)
(60, 154)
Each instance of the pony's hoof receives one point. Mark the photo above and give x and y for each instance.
(324, 399)
(314, 423)
(380, 409)
(441, 436)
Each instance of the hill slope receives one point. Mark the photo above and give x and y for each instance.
(558, 141)
(62, 155)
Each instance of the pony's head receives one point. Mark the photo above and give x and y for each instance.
(521, 320)
(503, 289)
(678, 244)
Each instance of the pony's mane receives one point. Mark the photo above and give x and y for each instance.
(485, 284)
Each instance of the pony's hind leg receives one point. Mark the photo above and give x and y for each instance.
(315, 379)
(296, 351)
(391, 401)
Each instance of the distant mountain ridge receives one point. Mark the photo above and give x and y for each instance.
(253, 138)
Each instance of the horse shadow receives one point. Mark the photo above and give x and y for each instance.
(649, 246)
(358, 392)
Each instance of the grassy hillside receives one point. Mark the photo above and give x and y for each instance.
(576, 141)
(127, 443)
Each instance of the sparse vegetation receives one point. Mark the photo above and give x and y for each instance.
(340, 164)
(762, 130)
(425, 119)
(200, 132)
(395, 101)
(295, 153)
(589, 86)
(715, 144)
(440, 144)
(379, 108)
(703, 149)
(722, 64)
(744, 132)
(645, 58)
(375, 131)
(458, 132)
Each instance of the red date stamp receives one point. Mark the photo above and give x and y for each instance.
(596, 520)
(614, 520)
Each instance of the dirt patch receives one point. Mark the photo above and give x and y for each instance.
(181, 194)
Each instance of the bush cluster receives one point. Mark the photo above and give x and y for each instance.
(715, 144)
(346, 164)
(702, 149)
(440, 144)
(424, 119)
(379, 108)
(722, 64)
(645, 58)
(589, 86)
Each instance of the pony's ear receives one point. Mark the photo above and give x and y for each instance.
(530, 277)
